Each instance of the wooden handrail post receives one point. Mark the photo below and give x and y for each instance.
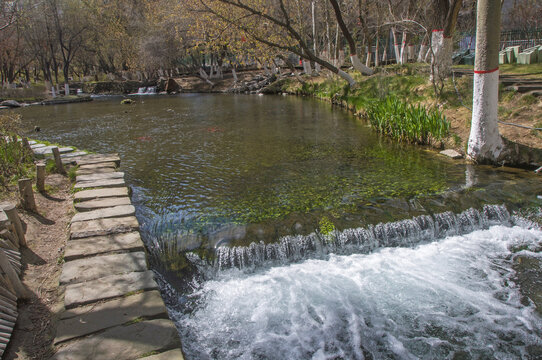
(27, 195)
(11, 212)
(58, 161)
(40, 177)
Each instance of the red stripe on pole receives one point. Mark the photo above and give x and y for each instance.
(438, 30)
(485, 71)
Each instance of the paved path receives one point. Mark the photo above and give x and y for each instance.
(113, 308)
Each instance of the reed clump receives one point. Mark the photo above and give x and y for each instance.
(406, 122)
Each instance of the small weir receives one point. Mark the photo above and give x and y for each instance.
(404, 233)
(414, 298)
(146, 90)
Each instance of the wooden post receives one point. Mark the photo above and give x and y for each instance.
(11, 212)
(27, 195)
(12, 276)
(58, 161)
(40, 177)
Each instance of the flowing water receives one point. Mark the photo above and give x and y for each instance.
(448, 299)
(311, 236)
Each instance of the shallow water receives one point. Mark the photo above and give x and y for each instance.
(232, 169)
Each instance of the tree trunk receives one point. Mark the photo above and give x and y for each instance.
(376, 50)
(410, 52)
(66, 79)
(485, 142)
(423, 50)
(396, 48)
(442, 55)
(356, 63)
(441, 43)
(403, 55)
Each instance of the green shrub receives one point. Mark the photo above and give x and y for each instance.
(15, 160)
(72, 173)
(405, 122)
(528, 99)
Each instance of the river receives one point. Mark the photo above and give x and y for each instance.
(291, 174)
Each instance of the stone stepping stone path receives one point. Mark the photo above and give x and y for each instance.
(101, 227)
(110, 212)
(101, 183)
(100, 245)
(48, 150)
(72, 154)
(113, 307)
(100, 176)
(94, 171)
(100, 194)
(102, 203)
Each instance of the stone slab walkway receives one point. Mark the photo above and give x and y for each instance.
(100, 193)
(98, 245)
(101, 227)
(100, 176)
(101, 183)
(101, 203)
(110, 212)
(113, 308)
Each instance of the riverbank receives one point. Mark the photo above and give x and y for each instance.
(46, 238)
(71, 99)
(519, 111)
(90, 292)
(411, 85)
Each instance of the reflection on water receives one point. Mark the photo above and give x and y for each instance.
(224, 169)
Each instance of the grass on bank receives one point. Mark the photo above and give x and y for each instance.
(409, 84)
(405, 122)
(15, 161)
(384, 100)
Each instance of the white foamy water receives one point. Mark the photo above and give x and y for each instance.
(450, 299)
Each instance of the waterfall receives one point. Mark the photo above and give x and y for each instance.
(150, 90)
(404, 233)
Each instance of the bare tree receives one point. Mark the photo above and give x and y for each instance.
(273, 19)
(445, 19)
(69, 33)
(8, 13)
(351, 43)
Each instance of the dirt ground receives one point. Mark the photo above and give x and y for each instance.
(511, 112)
(46, 236)
(194, 84)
